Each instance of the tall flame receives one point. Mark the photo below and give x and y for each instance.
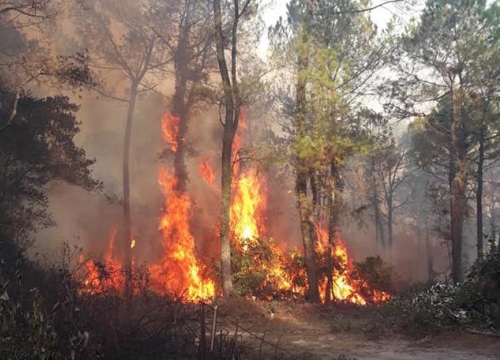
(179, 271)
(248, 206)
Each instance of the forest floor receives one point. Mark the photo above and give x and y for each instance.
(301, 331)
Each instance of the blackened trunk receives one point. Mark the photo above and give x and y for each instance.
(127, 221)
(180, 106)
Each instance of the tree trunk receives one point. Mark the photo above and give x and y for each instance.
(379, 227)
(307, 227)
(305, 211)
(430, 257)
(127, 221)
(390, 212)
(335, 204)
(180, 107)
(227, 145)
(479, 195)
(232, 107)
(457, 183)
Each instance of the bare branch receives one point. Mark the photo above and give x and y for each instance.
(19, 10)
(364, 10)
(13, 112)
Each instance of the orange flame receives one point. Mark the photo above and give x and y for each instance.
(179, 271)
(248, 206)
(206, 172)
(170, 129)
(345, 287)
(100, 276)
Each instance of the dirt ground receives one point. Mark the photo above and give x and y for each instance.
(301, 331)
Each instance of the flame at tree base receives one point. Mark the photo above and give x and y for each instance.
(179, 271)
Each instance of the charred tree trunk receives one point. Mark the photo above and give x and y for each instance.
(457, 182)
(479, 195)
(180, 108)
(127, 220)
(305, 211)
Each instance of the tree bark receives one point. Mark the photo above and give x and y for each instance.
(232, 106)
(390, 214)
(335, 204)
(479, 195)
(457, 182)
(227, 145)
(180, 107)
(127, 221)
(305, 211)
(430, 257)
(379, 227)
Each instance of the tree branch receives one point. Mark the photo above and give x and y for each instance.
(13, 112)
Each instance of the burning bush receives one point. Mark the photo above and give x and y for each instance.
(259, 271)
(375, 275)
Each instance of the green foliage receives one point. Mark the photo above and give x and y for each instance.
(480, 292)
(435, 307)
(27, 328)
(429, 312)
(37, 147)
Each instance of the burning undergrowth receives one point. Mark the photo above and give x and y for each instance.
(262, 267)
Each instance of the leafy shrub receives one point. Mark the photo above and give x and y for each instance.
(442, 305)
(480, 292)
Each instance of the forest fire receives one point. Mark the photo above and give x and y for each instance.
(207, 173)
(248, 206)
(170, 129)
(345, 285)
(100, 276)
(180, 272)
